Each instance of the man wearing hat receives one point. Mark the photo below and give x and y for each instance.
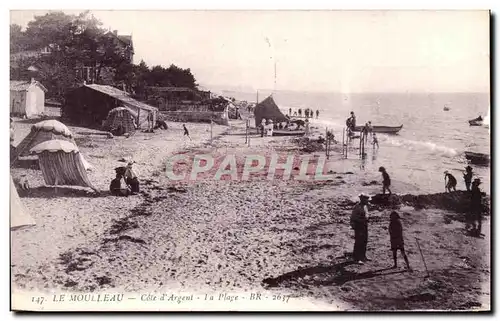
(476, 206)
(359, 223)
(468, 177)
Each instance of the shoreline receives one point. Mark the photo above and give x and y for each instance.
(231, 234)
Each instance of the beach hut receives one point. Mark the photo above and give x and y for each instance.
(19, 215)
(269, 110)
(41, 132)
(27, 98)
(119, 117)
(61, 164)
(89, 105)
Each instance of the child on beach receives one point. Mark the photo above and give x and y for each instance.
(450, 182)
(386, 180)
(116, 185)
(186, 132)
(397, 243)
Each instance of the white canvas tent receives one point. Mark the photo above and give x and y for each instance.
(19, 216)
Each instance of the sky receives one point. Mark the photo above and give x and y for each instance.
(339, 51)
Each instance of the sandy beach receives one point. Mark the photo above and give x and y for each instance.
(229, 235)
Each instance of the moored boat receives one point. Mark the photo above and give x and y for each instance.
(381, 129)
(477, 158)
(475, 122)
(279, 132)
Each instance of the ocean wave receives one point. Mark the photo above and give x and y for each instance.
(414, 144)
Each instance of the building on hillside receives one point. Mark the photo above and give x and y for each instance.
(90, 104)
(174, 98)
(86, 70)
(27, 98)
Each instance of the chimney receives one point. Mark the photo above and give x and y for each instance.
(115, 32)
(32, 80)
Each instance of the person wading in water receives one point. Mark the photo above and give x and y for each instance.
(359, 223)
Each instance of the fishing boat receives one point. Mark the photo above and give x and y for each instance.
(477, 158)
(476, 122)
(381, 129)
(280, 132)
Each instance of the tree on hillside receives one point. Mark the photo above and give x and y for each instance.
(76, 41)
(17, 38)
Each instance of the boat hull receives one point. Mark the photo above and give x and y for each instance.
(289, 132)
(475, 123)
(477, 158)
(381, 129)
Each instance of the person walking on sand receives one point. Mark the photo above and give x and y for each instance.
(397, 243)
(468, 177)
(290, 111)
(375, 140)
(450, 182)
(359, 223)
(186, 132)
(300, 112)
(317, 114)
(386, 180)
(476, 207)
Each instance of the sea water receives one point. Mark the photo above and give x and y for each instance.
(432, 140)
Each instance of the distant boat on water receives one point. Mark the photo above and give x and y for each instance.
(446, 108)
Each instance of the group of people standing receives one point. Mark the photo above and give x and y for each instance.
(474, 216)
(308, 113)
(359, 223)
(366, 130)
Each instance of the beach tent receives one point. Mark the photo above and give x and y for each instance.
(61, 164)
(45, 131)
(269, 110)
(19, 216)
(120, 116)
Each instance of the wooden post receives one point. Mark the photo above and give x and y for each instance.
(343, 142)
(138, 118)
(211, 130)
(248, 131)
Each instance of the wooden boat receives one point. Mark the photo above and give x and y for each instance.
(281, 132)
(475, 122)
(477, 158)
(381, 129)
